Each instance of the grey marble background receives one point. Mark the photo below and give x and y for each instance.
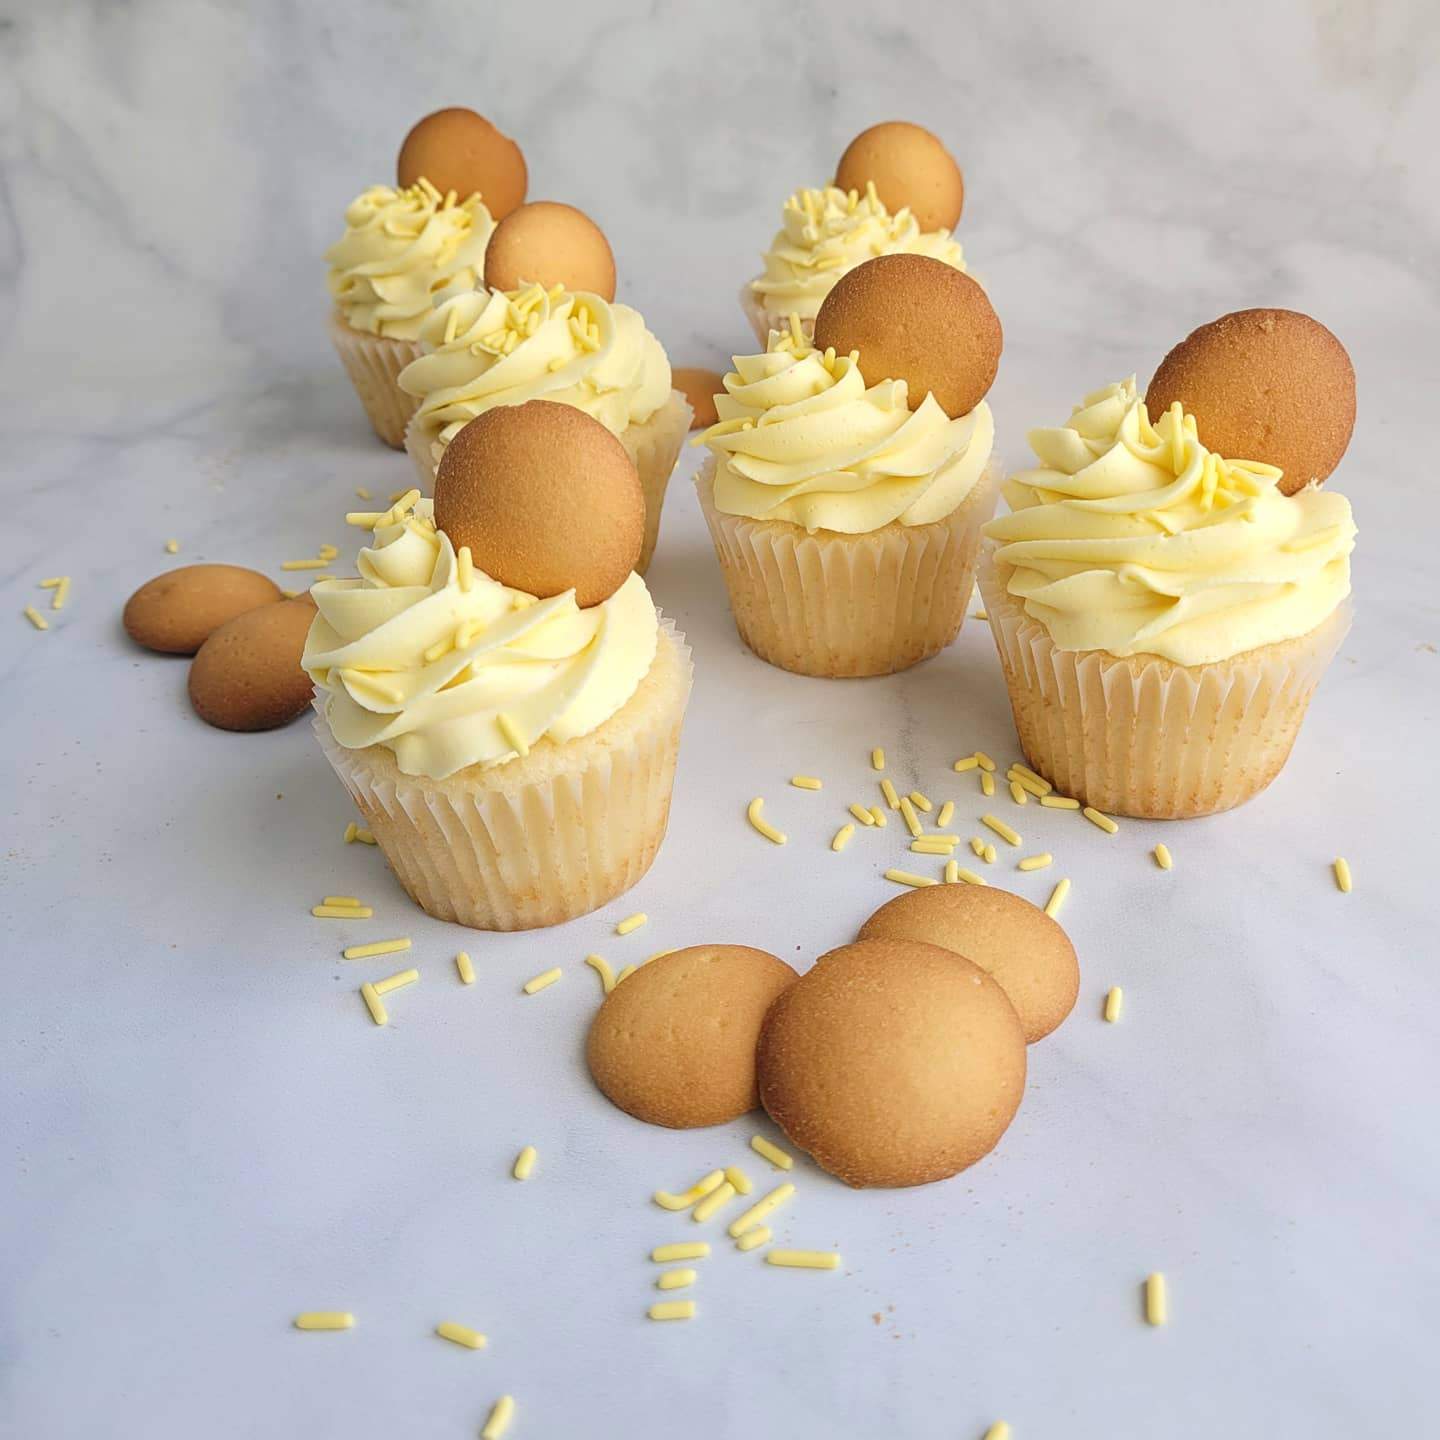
(200, 1135)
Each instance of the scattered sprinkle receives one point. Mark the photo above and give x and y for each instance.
(947, 813)
(888, 791)
(757, 820)
(1114, 1003)
(998, 1431)
(715, 1201)
(318, 563)
(1343, 878)
(363, 836)
(904, 877)
(465, 968)
(60, 584)
(982, 615)
(328, 911)
(878, 815)
(1095, 817)
(686, 1198)
(767, 1150)
(172, 547)
(685, 1250)
(672, 1310)
(1057, 898)
(1157, 1302)
(374, 1005)
(752, 1239)
(631, 922)
(1034, 776)
(967, 762)
(933, 845)
(350, 833)
(1036, 862)
(761, 1209)
(542, 981)
(739, 1179)
(952, 872)
(803, 1259)
(325, 1320)
(460, 1335)
(380, 947)
(601, 967)
(921, 801)
(984, 761)
(680, 1279)
(842, 837)
(501, 1414)
(988, 855)
(1001, 829)
(877, 758)
(862, 814)
(1059, 802)
(977, 845)
(806, 782)
(342, 900)
(912, 822)
(524, 1165)
(626, 973)
(987, 783)
(398, 981)
(1018, 794)
(35, 618)
(969, 876)
(1163, 858)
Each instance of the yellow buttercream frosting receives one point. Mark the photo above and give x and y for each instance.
(448, 668)
(498, 347)
(825, 232)
(401, 251)
(801, 438)
(1133, 538)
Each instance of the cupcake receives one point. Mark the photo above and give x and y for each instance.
(897, 191)
(1162, 614)
(406, 247)
(844, 498)
(496, 689)
(491, 348)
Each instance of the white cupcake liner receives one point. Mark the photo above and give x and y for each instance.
(374, 363)
(763, 319)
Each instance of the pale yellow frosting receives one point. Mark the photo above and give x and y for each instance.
(401, 251)
(448, 668)
(1132, 538)
(800, 438)
(825, 232)
(496, 347)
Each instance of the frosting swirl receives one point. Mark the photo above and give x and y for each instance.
(801, 439)
(1134, 538)
(447, 668)
(823, 233)
(402, 249)
(498, 347)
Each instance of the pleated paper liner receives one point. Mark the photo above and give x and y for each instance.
(534, 841)
(374, 363)
(849, 605)
(1143, 736)
(763, 320)
(654, 448)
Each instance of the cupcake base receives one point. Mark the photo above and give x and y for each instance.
(1143, 736)
(374, 363)
(839, 606)
(763, 319)
(539, 840)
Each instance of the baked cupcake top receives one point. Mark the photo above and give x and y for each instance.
(801, 438)
(504, 347)
(401, 250)
(825, 232)
(1133, 538)
(431, 658)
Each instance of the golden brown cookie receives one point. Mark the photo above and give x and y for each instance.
(247, 675)
(1003, 933)
(699, 387)
(892, 1062)
(910, 167)
(546, 498)
(675, 1043)
(175, 612)
(554, 244)
(458, 150)
(1269, 385)
(915, 319)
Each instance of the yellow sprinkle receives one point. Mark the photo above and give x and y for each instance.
(1114, 1004)
(364, 837)
(988, 854)
(1034, 776)
(325, 1320)
(966, 762)
(739, 1179)
(398, 981)
(601, 967)
(315, 564)
(984, 761)
(977, 844)
(35, 618)
(904, 877)
(841, 838)
(341, 912)
(374, 1004)
(862, 814)
(342, 900)
(888, 791)
(877, 759)
(1059, 802)
(998, 1431)
(1018, 794)
(947, 813)
(1038, 788)
(672, 1310)
(805, 782)
(912, 822)
(716, 1200)
(932, 845)
(1001, 829)
(524, 1165)
(657, 955)
(685, 1250)
(987, 783)
(753, 1238)
(513, 738)
(1163, 858)
(952, 872)
(464, 569)
(761, 1209)
(686, 1198)
(631, 922)
(172, 547)
(543, 981)
(1104, 822)
(465, 968)
(982, 614)
(921, 801)
(53, 581)
(501, 1413)
(878, 815)
(680, 1279)
(1036, 862)
(969, 876)
(771, 1152)
(350, 833)
(1343, 879)
(361, 493)
(758, 821)
(1157, 1304)
(803, 1259)
(1057, 898)
(62, 593)
(380, 947)
(626, 973)
(460, 1335)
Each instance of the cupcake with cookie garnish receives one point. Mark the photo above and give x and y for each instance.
(496, 689)
(547, 329)
(406, 247)
(1163, 612)
(850, 477)
(897, 190)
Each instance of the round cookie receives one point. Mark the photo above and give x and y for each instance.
(176, 612)
(699, 387)
(909, 167)
(675, 1044)
(1268, 385)
(554, 244)
(458, 150)
(892, 1062)
(247, 675)
(916, 319)
(546, 498)
(1003, 933)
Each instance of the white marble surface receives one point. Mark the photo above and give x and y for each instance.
(202, 1134)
